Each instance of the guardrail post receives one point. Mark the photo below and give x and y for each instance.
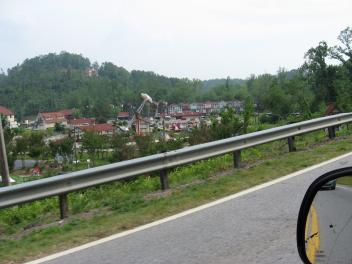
(291, 144)
(331, 131)
(63, 203)
(164, 180)
(237, 159)
(4, 169)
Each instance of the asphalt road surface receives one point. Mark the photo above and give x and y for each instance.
(257, 227)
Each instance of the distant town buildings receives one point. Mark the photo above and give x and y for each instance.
(49, 119)
(145, 126)
(80, 122)
(206, 107)
(101, 129)
(68, 113)
(123, 116)
(174, 108)
(174, 117)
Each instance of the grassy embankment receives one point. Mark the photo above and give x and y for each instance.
(345, 181)
(33, 230)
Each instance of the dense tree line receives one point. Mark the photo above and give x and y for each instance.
(310, 88)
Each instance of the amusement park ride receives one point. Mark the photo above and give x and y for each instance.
(136, 118)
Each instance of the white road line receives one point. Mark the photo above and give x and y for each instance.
(191, 211)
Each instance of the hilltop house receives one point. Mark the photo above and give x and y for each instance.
(10, 116)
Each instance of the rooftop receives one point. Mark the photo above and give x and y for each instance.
(5, 111)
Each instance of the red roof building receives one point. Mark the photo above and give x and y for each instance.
(10, 116)
(186, 115)
(68, 113)
(185, 107)
(6, 112)
(52, 117)
(102, 129)
(49, 119)
(123, 115)
(80, 122)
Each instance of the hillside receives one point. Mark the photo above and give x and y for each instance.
(212, 83)
(66, 80)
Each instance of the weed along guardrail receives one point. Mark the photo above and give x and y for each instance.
(61, 185)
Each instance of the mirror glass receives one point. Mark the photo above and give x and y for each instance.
(328, 231)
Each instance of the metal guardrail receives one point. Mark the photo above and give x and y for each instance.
(63, 184)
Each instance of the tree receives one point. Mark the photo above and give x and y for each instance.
(102, 111)
(277, 101)
(36, 145)
(302, 95)
(229, 125)
(146, 145)
(343, 85)
(320, 76)
(258, 88)
(22, 146)
(199, 135)
(343, 52)
(122, 149)
(247, 113)
(59, 127)
(91, 142)
(63, 147)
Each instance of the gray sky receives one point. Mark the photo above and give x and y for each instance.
(180, 38)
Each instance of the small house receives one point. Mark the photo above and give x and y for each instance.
(10, 116)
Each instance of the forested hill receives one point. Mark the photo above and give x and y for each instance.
(66, 80)
(57, 81)
(212, 83)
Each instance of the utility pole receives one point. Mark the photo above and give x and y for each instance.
(3, 158)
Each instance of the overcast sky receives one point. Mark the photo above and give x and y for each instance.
(179, 38)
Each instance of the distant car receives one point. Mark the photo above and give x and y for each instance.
(330, 185)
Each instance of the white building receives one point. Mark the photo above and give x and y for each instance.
(10, 116)
(174, 108)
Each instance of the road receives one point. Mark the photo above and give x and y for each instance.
(258, 226)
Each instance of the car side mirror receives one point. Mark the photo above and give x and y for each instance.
(324, 227)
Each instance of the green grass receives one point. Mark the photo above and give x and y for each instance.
(345, 180)
(33, 229)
